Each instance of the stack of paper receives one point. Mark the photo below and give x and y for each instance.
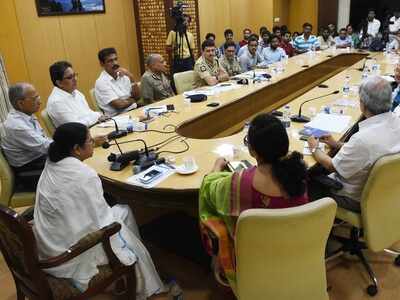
(330, 123)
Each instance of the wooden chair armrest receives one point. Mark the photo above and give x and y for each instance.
(87, 242)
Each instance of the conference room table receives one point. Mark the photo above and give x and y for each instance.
(211, 132)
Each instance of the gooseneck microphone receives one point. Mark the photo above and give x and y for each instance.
(364, 64)
(116, 133)
(303, 119)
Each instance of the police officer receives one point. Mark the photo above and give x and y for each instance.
(207, 68)
(229, 61)
(155, 86)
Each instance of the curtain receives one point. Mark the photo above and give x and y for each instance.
(5, 105)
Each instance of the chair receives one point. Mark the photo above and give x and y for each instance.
(18, 246)
(379, 221)
(48, 122)
(93, 101)
(184, 81)
(280, 253)
(8, 197)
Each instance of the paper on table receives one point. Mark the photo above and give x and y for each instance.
(345, 102)
(330, 122)
(155, 110)
(306, 149)
(164, 169)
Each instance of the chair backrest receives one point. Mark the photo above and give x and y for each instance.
(280, 253)
(184, 81)
(48, 122)
(380, 204)
(18, 246)
(93, 101)
(6, 181)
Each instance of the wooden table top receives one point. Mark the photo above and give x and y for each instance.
(213, 131)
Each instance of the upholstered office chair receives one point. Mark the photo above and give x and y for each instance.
(184, 81)
(18, 246)
(48, 122)
(379, 221)
(93, 102)
(280, 253)
(7, 195)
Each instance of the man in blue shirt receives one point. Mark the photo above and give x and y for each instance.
(228, 33)
(273, 53)
(250, 57)
(343, 40)
(306, 41)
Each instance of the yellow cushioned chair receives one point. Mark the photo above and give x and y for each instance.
(280, 253)
(184, 81)
(379, 221)
(48, 122)
(7, 196)
(93, 101)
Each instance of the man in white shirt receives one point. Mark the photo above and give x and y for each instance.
(373, 25)
(115, 89)
(66, 103)
(394, 22)
(378, 135)
(25, 144)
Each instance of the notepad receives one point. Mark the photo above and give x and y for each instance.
(330, 122)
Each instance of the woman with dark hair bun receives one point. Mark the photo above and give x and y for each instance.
(278, 181)
(70, 204)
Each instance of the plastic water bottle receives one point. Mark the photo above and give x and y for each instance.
(286, 116)
(346, 86)
(175, 291)
(387, 48)
(375, 67)
(365, 73)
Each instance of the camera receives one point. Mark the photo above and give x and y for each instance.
(177, 13)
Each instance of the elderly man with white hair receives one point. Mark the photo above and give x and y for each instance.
(25, 144)
(155, 86)
(378, 135)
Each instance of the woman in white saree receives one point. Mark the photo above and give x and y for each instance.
(70, 204)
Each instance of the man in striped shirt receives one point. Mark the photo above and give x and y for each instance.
(306, 41)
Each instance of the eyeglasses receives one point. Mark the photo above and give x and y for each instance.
(72, 76)
(246, 140)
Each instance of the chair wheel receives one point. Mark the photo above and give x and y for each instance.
(397, 261)
(372, 290)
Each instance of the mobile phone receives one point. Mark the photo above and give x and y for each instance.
(213, 104)
(304, 138)
(149, 176)
(170, 107)
(235, 166)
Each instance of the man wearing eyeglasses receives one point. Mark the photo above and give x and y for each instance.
(24, 144)
(66, 103)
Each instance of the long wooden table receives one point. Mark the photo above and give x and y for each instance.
(208, 129)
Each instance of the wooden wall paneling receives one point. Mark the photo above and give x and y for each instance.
(301, 12)
(11, 46)
(327, 12)
(281, 11)
(260, 13)
(215, 17)
(239, 11)
(80, 43)
(131, 37)
(111, 32)
(42, 42)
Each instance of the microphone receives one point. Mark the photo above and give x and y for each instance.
(120, 161)
(116, 133)
(303, 119)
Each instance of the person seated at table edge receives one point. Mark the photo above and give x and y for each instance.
(115, 89)
(229, 60)
(278, 181)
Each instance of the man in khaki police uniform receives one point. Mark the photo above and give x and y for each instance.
(207, 68)
(155, 86)
(229, 61)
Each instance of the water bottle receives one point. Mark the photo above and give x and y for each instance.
(346, 86)
(286, 116)
(365, 73)
(387, 48)
(375, 66)
(175, 291)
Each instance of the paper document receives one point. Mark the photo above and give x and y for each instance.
(164, 169)
(155, 110)
(121, 121)
(330, 122)
(307, 151)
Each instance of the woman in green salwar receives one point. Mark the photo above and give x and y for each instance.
(278, 181)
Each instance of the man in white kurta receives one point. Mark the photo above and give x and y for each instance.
(63, 107)
(66, 103)
(70, 204)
